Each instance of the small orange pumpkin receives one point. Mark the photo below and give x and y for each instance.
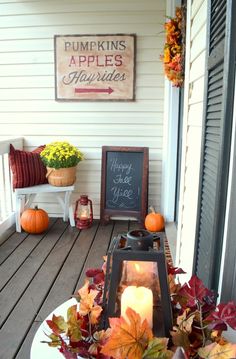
(154, 222)
(34, 220)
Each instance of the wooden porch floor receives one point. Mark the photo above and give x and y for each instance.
(39, 272)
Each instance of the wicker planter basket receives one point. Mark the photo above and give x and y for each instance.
(61, 177)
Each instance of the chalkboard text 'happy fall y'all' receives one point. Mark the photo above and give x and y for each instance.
(124, 194)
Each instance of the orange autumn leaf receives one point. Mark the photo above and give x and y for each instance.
(95, 314)
(87, 304)
(173, 56)
(83, 291)
(128, 340)
(166, 58)
(174, 287)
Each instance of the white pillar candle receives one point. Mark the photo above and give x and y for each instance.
(140, 299)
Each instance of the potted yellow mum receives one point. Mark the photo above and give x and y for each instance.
(61, 159)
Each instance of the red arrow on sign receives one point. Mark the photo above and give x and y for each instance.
(109, 90)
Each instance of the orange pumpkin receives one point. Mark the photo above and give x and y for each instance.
(154, 222)
(34, 220)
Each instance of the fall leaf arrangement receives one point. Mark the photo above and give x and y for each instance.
(198, 325)
(173, 57)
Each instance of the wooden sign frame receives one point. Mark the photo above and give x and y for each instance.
(95, 67)
(139, 213)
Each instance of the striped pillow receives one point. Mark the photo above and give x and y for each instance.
(27, 167)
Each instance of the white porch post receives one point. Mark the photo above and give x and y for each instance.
(170, 138)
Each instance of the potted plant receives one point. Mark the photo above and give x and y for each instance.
(61, 159)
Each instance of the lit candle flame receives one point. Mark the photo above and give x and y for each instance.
(137, 267)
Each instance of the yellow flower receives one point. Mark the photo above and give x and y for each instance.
(61, 155)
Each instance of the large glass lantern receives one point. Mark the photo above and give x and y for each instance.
(83, 212)
(136, 277)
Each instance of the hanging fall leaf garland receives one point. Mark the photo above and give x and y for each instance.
(173, 57)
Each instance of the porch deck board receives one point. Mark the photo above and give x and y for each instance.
(10, 244)
(39, 272)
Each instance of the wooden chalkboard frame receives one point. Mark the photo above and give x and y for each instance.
(107, 213)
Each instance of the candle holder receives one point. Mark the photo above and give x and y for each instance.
(83, 212)
(137, 260)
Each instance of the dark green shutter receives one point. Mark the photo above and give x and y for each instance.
(216, 142)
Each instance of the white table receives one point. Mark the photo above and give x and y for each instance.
(42, 350)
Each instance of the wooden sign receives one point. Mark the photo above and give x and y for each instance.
(94, 67)
(124, 184)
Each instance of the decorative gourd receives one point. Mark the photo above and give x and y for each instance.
(34, 220)
(154, 222)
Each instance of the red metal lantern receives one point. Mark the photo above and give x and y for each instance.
(83, 212)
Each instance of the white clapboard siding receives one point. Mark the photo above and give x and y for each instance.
(114, 140)
(143, 42)
(195, 113)
(48, 93)
(198, 46)
(50, 31)
(118, 118)
(85, 130)
(195, 6)
(193, 135)
(72, 18)
(195, 97)
(49, 105)
(199, 19)
(34, 81)
(40, 57)
(149, 68)
(27, 85)
(197, 64)
(68, 7)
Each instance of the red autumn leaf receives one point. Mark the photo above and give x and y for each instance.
(128, 340)
(224, 314)
(97, 275)
(99, 278)
(194, 291)
(174, 270)
(66, 352)
(92, 272)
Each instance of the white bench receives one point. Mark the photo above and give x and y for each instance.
(25, 196)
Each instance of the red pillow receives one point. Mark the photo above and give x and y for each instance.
(27, 167)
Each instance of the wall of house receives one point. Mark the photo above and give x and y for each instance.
(27, 104)
(192, 133)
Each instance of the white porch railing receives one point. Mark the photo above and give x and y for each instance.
(6, 194)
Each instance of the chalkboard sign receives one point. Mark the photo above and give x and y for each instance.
(124, 185)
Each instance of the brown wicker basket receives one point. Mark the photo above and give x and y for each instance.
(61, 177)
